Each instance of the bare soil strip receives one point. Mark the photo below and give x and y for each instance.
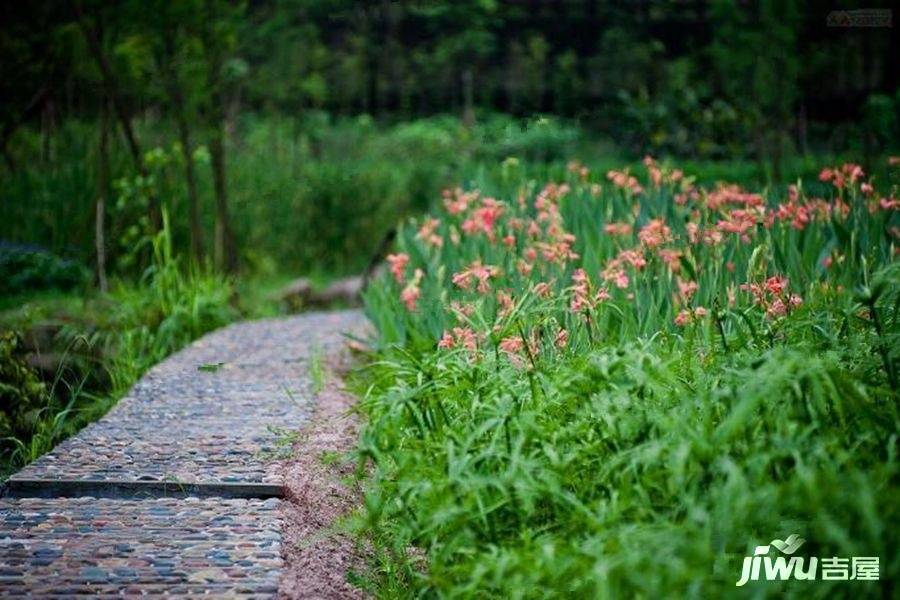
(319, 555)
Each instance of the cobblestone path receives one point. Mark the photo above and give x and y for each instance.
(176, 489)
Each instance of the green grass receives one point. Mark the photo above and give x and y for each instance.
(317, 372)
(671, 433)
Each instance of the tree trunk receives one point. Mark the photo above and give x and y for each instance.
(191, 180)
(802, 131)
(102, 193)
(224, 251)
(109, 82)
(8, 159)
(468, 97)
(225, 255)
(36, 103)
(176, 98)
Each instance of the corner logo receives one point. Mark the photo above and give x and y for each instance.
(782, 568)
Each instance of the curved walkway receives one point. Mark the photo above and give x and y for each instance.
(177, 489)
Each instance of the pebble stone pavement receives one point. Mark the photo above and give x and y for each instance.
(183, 424)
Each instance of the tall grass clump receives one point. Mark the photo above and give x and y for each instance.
(172, 305)
(619, 387)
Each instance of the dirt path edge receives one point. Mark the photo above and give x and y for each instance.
(318, 554)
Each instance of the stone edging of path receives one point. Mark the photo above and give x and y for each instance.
(135, 490)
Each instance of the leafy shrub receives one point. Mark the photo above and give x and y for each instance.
(25, 269)
(23, 396)
(542, 138)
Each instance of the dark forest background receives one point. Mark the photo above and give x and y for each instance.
(258, 123)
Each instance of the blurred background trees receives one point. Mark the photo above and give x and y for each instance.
(111, 108)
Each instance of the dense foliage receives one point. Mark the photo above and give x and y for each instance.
(697, 77)
(280, 136)
(22, 393)
(26, 269)
(616, 387)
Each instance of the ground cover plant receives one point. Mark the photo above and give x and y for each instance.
(619, 384)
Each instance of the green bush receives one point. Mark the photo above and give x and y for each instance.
(23, 396)
(25, 269)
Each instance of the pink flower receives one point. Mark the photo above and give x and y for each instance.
(524, 267)
(687, 289)
(410, 297)
(462, 280)
(446, 342)
(839, 176)
(693, 231)
(562, 339)
(466, 338)
(411, 293)
(777, 308)
(889, 204)
(512, 345)
(484, 218)
(462, 337)
(398, 264)
(634, 257)
(427, 233)
(582, 296)
(672, 258)
(656, 175)
(655, 233)
(776, 285)
(739, 222)
(621, 279)
(726, 194)
(456, 201)
(465, 309)
(771, 295)
(505, 302)
(686, 315)
(623, 180)
(542, 289)
(617, 228)
(476, 272)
